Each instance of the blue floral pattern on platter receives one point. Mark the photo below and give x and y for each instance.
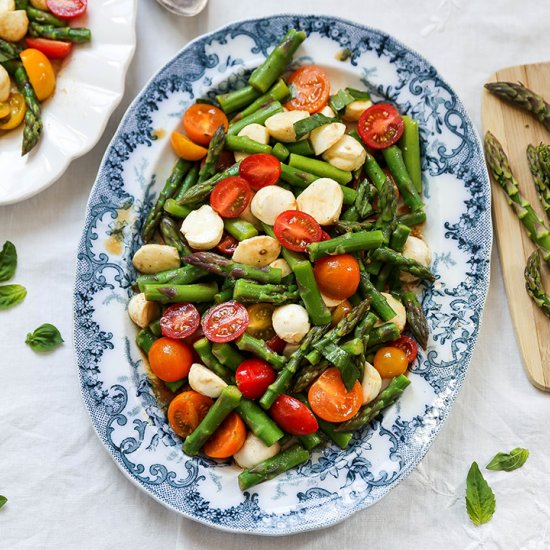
(124, 410)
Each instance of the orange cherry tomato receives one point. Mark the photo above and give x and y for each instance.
(201, 122)
(40, 72)
(337, 276)
(185, 148)
(390, 362)
(341, 310)
(187, 410)
(329, 399)
(170, 359)
(227, 439)
(311, 87)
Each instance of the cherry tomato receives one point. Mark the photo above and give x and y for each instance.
(53, 49)
(185, 148)
(17, 109)
(293, 416)
(253, 376)
(276, 344)
(390, 362)
(228, 244)
(340, 311)
(180, 321)
(67, 9)
(260, 170)
(295, 230)
(311, 88)
(325, 236)
(337, 276)
(40, 72)
(259, 324)
(170, 359)
(231, 197)
(329, 399)
(187, 410)
(227, 439)
(380, 126)
(201, 122)
(225, 322)
(406, 344)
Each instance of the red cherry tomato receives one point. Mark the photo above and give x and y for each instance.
(406, 344)
(311, 87)
(52, 49)
(380, 126)
(253, 376)
(337, 276)
(276, 344)
(201, 122)
(295, 230)
(225, 322)
(231, 197)
(67, 9)
(260, 170)
(325, 236)
(228, 244)
(180, 321)
(293, 416)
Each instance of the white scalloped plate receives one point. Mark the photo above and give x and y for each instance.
(89, 86)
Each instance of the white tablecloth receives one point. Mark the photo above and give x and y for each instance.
(65, 491)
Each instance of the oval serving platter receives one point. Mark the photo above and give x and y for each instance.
(120, 399)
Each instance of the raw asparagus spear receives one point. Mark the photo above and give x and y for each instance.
(180, 276)
(412, 218)
(227, 355)
(226, 402)
(278, 92)
(172, 207)
(394, 160)
(350, 242)
(258, 117)
(319, 168)
(200, 191)
(190, 179)
(378, 302)
(248, 292)
(44, 17)
(410, 145)
(533, 283)
(173, 237)
(172, 294)
(261, 349)
(215, 148)
(383, 333)
(246, 145)
(233, 101)
(540, 178)
(416, 318)
(259, 422)
(240, 229)
(409, 265)
(68, 34)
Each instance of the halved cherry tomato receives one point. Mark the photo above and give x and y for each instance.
(185, 148)
(259, 324)
(293, 416)
(227, 439)
(201, 122)
(187, 410)
(40, 72)
(228, 244)
(170, 359)
(276, 344)
(406, 344)
(231, 197)
(260, 170)
(329, 399)
(311, 88)
(53, 49)
(390, 362)
(325, 236)
(380, 126)
(340, 311)
(180, 321)
(295, 230)
(225, 322)
(337, 276)
(67, 9)
(18, 108)
(253, 376)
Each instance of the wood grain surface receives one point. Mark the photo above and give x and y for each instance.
(515, 129)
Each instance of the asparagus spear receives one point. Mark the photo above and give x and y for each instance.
(233, 101)
(394, 159)
(180, 276)
(540, 178)
(214, 263)
(44, 17)
(501, 172)
(172, 294)
(410, 145)
(275, 64)
(173, 237)
(262, 350)
(319, 168)
(350, 242)
(412, 218)
(409, 265)
(543, 153)
(278, 92)
(68, 34)
(200, 191)
(370, 411)
(533, 283)
(416, 318)
(215, 148)
(204, 351)
(302, 147)
(9, 51)
(259, 422)
(145, 339)
(350, 226)
(190, 179)
(246, 145)
(226, 402)
(363, 199)
(383, 333)
(378, 301)
(280, 151)
(227, 355)
(308, 374)
(172, 207)
(519, 95)
(240, 229)
(248, 292)
(258, 117)
(155, 328)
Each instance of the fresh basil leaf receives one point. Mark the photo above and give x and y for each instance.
(11, 295)
(480, 499)
(45, 338)
(3, 501)
(509, 461)
(304, 126)
(358, 94)
(8, 261)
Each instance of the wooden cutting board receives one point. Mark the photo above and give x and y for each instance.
(515, 129)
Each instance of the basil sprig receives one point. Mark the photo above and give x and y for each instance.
(45, 338)
(509, 461)
(8, 261)
(480, 499)
(3, 501)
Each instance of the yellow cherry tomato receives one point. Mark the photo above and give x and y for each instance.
(185, 148)
(341, 310)
(40, 72)
(5, 109)
(390, 362)
(18, 109)
(259, 324)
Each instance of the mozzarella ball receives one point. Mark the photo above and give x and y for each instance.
(5, 84)
(331, 302)
(322, 200)
(141, 311)
(327, 111)
(371, 383)
(254, 451)
(204, 381)
(347, 154)
(270, 201)
(281, 125)
(152, 258)
(282, 264)
(400, 318)
(13, 25)
(418, 250)
(257, 251)
(254, 131)
(325, 136)
(291, 323)
(247, 216)
(203, 228)
(355, 109)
